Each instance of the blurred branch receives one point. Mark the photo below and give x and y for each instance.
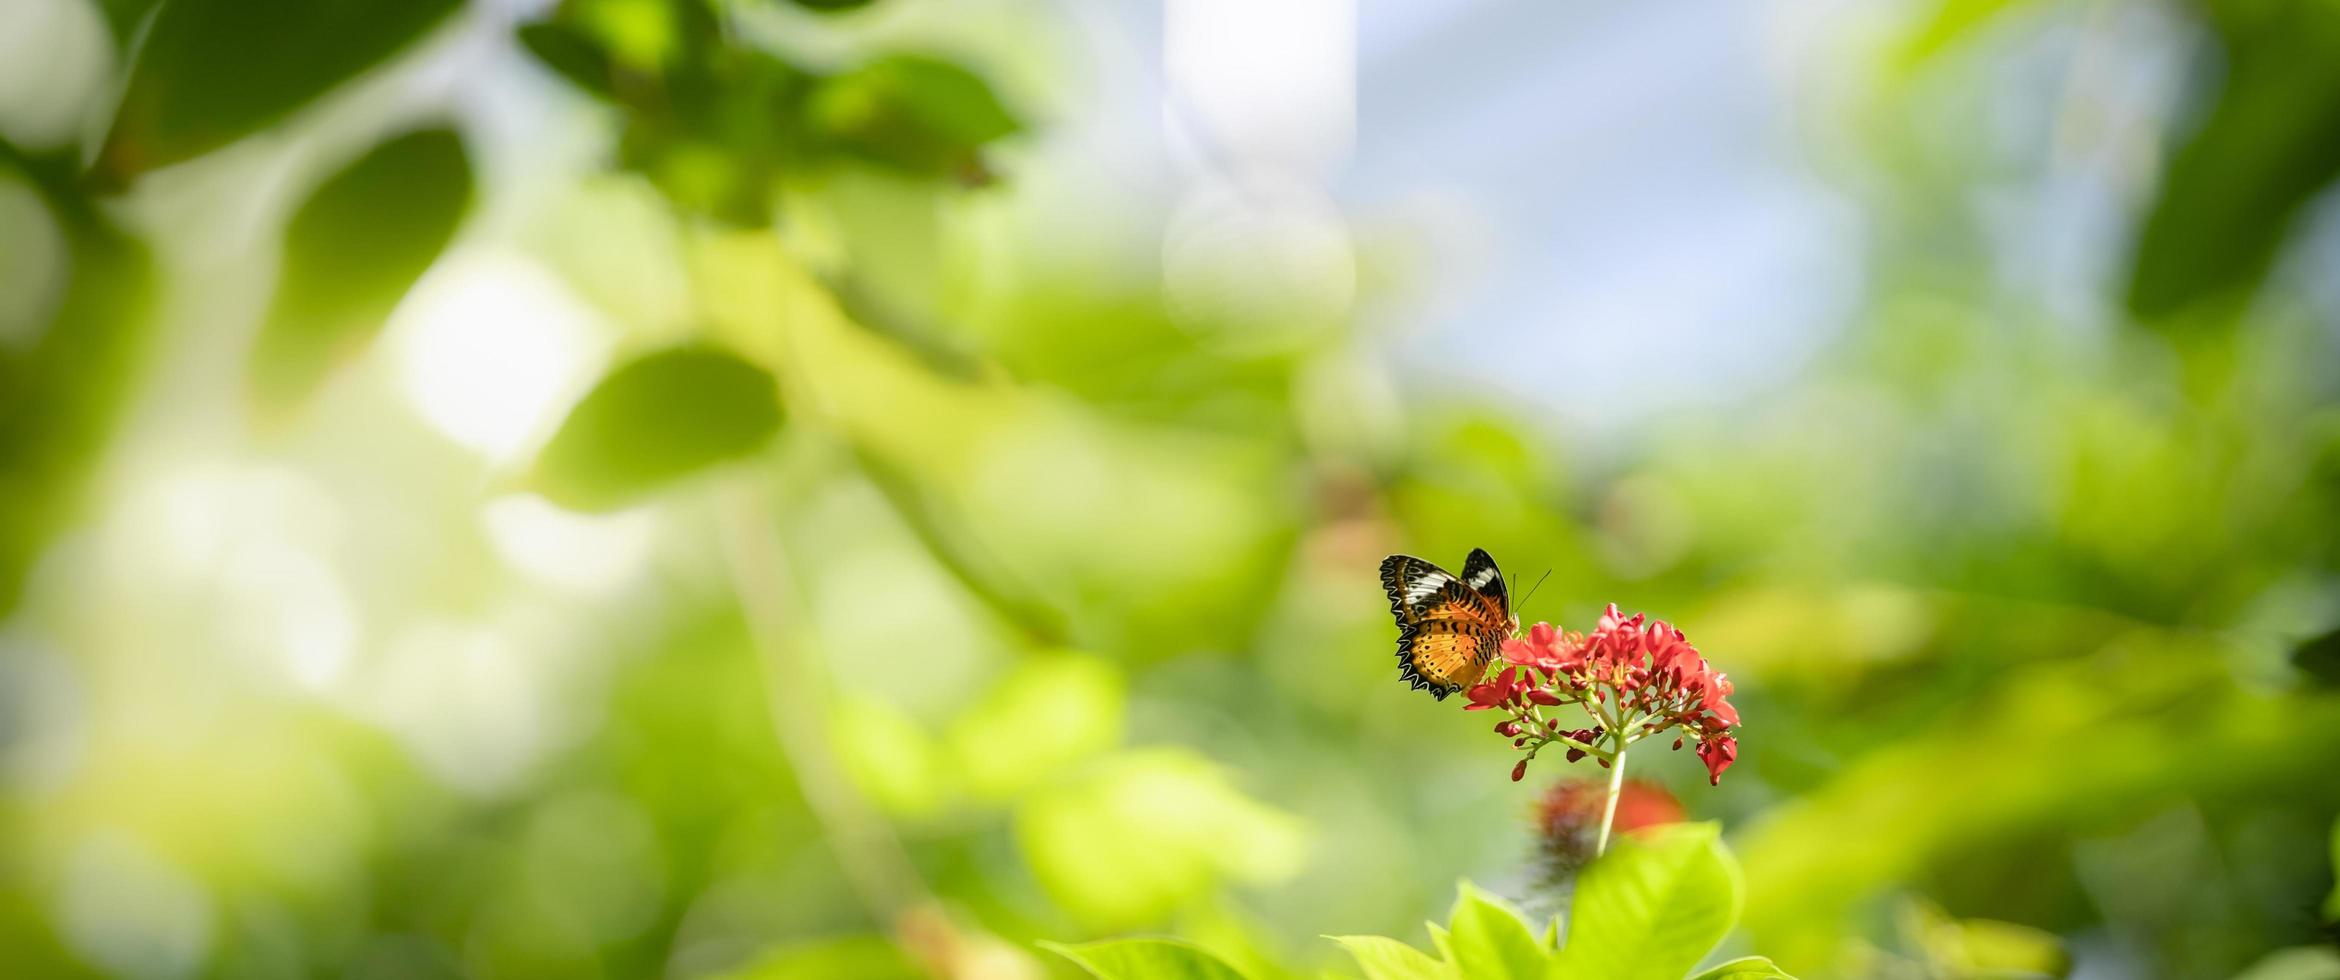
(795, 689)
(1040, 624)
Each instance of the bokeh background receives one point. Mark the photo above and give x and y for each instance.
(737, 487)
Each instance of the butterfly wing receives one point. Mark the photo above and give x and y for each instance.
(1448, 631)
(1479, 572)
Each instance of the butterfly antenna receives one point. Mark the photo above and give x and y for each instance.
(1531, 592)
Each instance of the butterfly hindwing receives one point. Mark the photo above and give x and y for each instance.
(1449, 628)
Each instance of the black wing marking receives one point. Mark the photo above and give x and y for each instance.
(1479, 572)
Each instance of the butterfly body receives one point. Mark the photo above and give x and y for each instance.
(1450, 627)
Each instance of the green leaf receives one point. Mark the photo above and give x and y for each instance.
(1745, 968)
(1952, 21)
(2319, 658)
(1983, 945)
(655, 419)
(1140, 834)
(354, 248)
(2231, 192)
(1042, 719)
(1489, 938)
(1651, 907)
(571, 53)
(1383, 958)
(831, 6)
(919, 114)
(2332, 901)
(213, 71)
(864, 957)
(1145, 959)
(2295, 963)
(61, 397)
(124, 16)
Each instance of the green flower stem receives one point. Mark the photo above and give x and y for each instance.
(1616, 786)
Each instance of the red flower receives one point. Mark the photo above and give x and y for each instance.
(1641, 673)
(1718, 753)
(1568, 817)
(1545, 649)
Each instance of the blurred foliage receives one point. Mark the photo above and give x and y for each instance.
(1650, 908)
(209, 72)
(870, 588)
(2267, 146)
(351, 252)
(652, 419)
(59, 395)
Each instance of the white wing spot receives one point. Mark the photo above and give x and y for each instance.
(1426, 586)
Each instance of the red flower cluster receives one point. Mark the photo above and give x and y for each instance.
(1637, 675)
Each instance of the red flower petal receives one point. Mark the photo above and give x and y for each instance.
(1722, 709)
(1718, 754)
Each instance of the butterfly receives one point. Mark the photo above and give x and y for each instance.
(1449, 627)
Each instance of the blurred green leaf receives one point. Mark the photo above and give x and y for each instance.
(1652, 907)
(2332, 901)
(1383, 958)
(1486, 937)
(649, 36)
(1952, 22)
(1145, 959)
(1969, 946)
(1745, 968)
(653, 420)
(831, 6)
(59, 397)
(2270, 143)
(1042, 719)
(124, 16)
(919, 114)
(2319, 658)
(888, 755)
(213, 71)
(351, 252)
(861, 957)
(2297, 963)
(1147, 832)
(571, 53)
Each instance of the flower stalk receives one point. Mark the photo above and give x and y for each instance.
(1609, 807)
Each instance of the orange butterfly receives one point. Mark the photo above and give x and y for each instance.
(1449, 628)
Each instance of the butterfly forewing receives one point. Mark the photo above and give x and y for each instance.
(1449, 628)
(1479, 572)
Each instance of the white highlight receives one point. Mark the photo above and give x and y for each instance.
(490, 349)
(1261, 109)
(463, 702)
(592, 553)
(1262, 86)
(250, 547)
(56, 60)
